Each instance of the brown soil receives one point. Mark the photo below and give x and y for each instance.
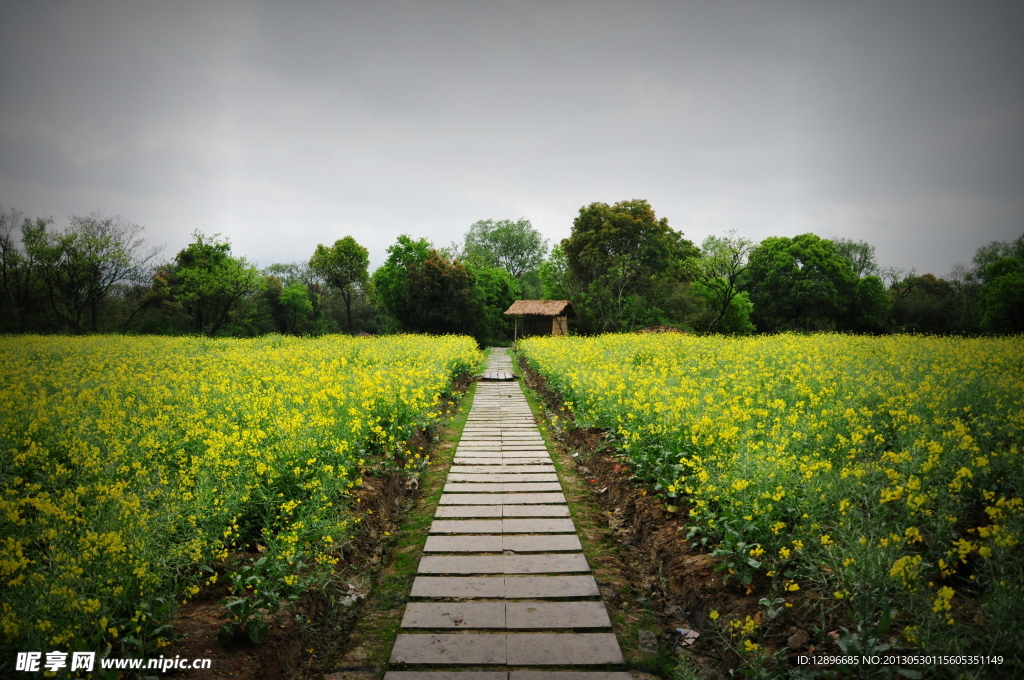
(683, 585)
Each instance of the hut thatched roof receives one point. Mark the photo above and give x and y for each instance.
(540, 308)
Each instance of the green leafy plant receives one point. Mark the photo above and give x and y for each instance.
(736, 551)
(247, 611)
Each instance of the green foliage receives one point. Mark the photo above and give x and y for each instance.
(516, 246)
(554, 276)
(735, 320)
(860, 254)
(1002, 296)
(389, 280)
(800, 283)
(997, 250)
(928, 304)
(494, 291)
(257, 590)
(718, 272)
(438, 297)
(870, 310)
(210, 283)
(79, 266)
(622, 263)
(343, 266)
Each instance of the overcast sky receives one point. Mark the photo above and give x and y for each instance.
(285, 125)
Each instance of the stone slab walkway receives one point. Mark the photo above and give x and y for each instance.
(503, 586)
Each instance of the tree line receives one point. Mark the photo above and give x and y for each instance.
(622, 267)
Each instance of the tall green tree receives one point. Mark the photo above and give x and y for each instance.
(994, 251)
(439, 297)
(718, 271)
(389, 280)
(861, 255)
(554, 276)
(924, 304)
(344, 267)
(494, 291)
(622, 263)
(80, 265)
(514, 246)
(210, 283)
(800, 283)
(1002, 296)
(20, 283)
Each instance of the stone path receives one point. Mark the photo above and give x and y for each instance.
(503, 590)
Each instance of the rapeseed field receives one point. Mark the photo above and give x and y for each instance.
(884, 474)
(129, 467)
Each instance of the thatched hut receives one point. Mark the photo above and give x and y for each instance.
(541, 317)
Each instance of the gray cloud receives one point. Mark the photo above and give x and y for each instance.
(898, 123)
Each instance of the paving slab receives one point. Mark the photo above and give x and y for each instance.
(476, 487)
(532, 564)
(530, 486)
(474, 460)
(506, 477)
(494, 452)
(500, 498)
(570, 649)
(447, 675)
(535, 511)
(488, 469)
(469, 511)
(555, 542)
(463, 564)
(516, 477)
(526, 615)
(472, 526)
(494, 476)
(467, 615)
(537, 526)
(464, 586)
(465, 648)
(520, 587)
(469, 544)
(471, 499)
(530, 498)
(552, 675)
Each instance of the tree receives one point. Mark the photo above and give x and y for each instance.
(870, 312)
(390, 278)
(994, 251)
(80, 265)
(860, 254)
(924, 304)
(1002, 296)
(343, 266)
(554, 276)
(622, 260)
(704, 304)
(211, 283)
(799, 283)
(516, 246)
(494, 291)
(719, 270)
(439, 297)
(19, 274)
